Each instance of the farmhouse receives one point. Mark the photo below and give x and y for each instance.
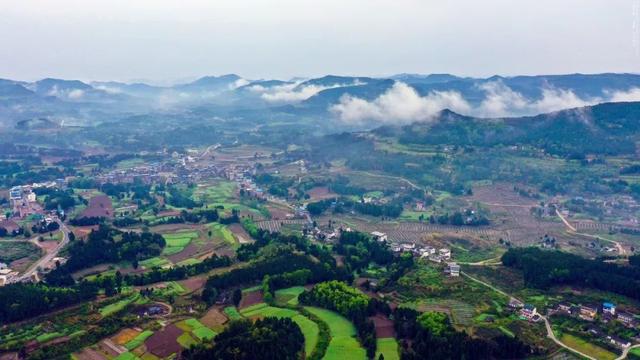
(618, 341)
(588, 312)
(452, 269)
(564, 307)
(529, 311)
(628, 319)
(445, 253)
(380, 236)
(608, 308)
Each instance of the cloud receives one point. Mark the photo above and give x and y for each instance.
(293, 92)
(109, 89)
(633, 94)
(400, 104)
(75, 94)
(238, 83)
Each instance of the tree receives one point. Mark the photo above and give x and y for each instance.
(236, 297)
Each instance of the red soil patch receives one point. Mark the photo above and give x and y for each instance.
(384, 326)
(188, 252)
(169, 213)
(89, 354)
(163, 343)
(278, 213)
(320, 192)
(214, 318)
(193, 284)
(83, 231)
(48, 245)
(251, 298)
(99, 206)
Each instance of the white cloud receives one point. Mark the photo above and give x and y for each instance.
(75, 94)
(293, 92)
(400, 104)
(109, 89)
(632, 94)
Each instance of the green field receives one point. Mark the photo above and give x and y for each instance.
(222, 232)
(126, 356)
(119, 305)
(186, 340)
(309, 328)
(138, 340)
(48, 336)
(196, 328)
(232, 313)
(289, 296)
(587, 348)
(14, 250)
(178, 241)
(387, 347)
(154, 262)
(343, 344)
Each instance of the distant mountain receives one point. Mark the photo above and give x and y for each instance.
(610, 128)
(425, 79)
(210, 83)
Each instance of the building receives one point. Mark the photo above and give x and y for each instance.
(380, 236)
(608, 308)
(15, 193)
(618, 341)
(453, 269)
(529, 311)
(628, 319)
(515, 303)
(445, 253)
(588, 312)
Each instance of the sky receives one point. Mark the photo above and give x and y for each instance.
(169, 40)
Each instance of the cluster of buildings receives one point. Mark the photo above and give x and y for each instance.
(424, 252)
(604, 313)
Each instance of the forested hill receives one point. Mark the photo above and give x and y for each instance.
(610, 128)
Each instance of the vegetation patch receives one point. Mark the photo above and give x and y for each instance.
(138, 340)
(343, 344)
(387, 347)
(587, 348)
(119, 305)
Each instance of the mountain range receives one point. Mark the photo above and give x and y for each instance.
(342, 100)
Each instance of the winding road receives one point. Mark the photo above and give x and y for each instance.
(572, 229)
(49, 255)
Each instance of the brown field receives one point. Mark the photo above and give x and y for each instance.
(279, 212)
(194, 283)
(240, 233)
(250, 298)
(99, 206)
(163, 343)
(124, 336)
(89, 354)
(214, 318)
(320, 193)
(384, 326)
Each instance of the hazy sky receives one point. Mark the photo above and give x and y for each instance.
(168, 40)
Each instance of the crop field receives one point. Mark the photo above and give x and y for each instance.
(197, 329)
(119, 305)
(587, 348)
(276, 225)
(13, 250)
(388, 347)
(309, 328)
(220, 231)
(126, 356)
(138, 340)
(232, 313)
(343, 344)
(289, 296)
(154, 262)
(176, 242)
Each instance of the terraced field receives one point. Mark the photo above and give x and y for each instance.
(343, 344)
(309, 328)
(178, 241)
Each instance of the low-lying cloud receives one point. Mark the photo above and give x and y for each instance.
(402, 104)
(293, 92)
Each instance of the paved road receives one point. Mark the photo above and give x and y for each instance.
(626, 352)
(550, 333)
(48, 256)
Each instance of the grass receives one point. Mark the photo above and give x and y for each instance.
(48, 336)
(232, 313)
(343, 344)
(171, 288)
(185, 340)
(176, 242)
(154, 262)
(388, 347)
(506, 331)
(118, 305)
(222, 232)
(126, 356)
(188, 262)
(289, 296)
(204, 333)
(138, 340)
(196, 328)
(309, 328)
(586, 347)
(10, 251)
